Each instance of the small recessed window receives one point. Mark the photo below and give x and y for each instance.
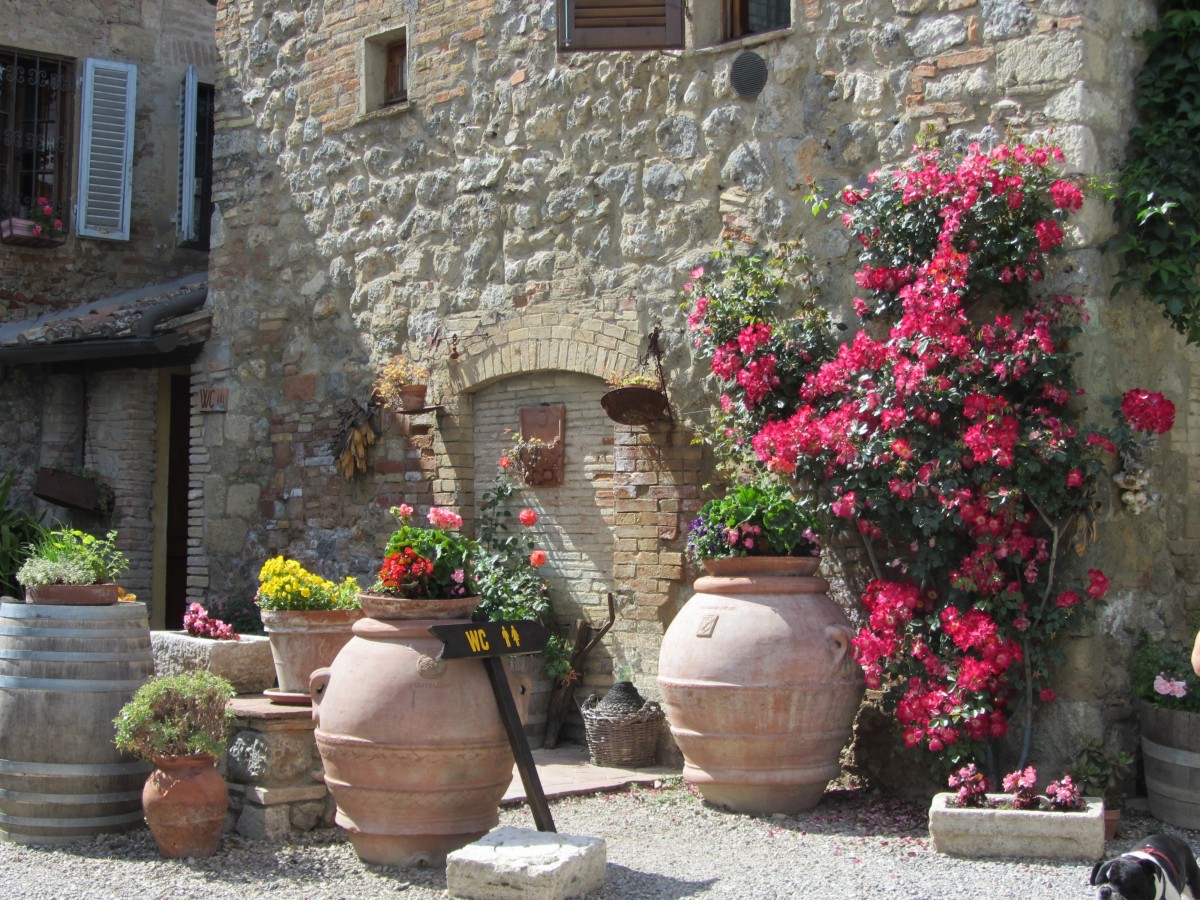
(745, 17)
(396, 87)
(384, 70)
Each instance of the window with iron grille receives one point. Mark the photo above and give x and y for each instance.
(36, 99)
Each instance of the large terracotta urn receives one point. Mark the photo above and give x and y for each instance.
(303, 640)
(759, 685)
(415, 754)
(185, 799)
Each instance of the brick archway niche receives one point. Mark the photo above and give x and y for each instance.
(619, 520)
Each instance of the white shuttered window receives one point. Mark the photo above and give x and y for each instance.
(106, 149)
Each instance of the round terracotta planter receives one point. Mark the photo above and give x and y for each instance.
(305, 640)
(634, 405)
(414, 751)
(185, 799)
(411, 397)
(760, 688)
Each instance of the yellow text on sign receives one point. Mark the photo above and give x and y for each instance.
(477, 638)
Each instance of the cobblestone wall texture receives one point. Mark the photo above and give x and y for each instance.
(528, 213)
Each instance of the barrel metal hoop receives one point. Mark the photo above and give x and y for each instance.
(21, 767)
(73, 824)
(77, 685)
(97, 634)
(68, 656)
(1174, 755)
(71, 799)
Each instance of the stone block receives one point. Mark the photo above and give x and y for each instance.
(246, 662)
(276, 759)
(1038, 834)
(526, 865)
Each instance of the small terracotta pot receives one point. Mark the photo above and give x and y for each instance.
(305, 640)
(185, 799)
(412, 397)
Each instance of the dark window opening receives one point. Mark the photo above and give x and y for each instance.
(36, 95)
(201, 205)
(745, 17)
(396, 87)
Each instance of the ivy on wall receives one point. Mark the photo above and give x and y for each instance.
(1158, 189)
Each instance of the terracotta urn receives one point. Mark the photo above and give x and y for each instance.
(185, 799)
(759, 686)
(414, 750)
(305, 640)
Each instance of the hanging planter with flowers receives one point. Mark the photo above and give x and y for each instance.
(42, 227)
(401, 385)
(638, 398)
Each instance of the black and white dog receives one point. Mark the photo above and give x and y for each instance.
(1161, 868)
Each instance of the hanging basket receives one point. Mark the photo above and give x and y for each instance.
(625, 739)
(635, 405)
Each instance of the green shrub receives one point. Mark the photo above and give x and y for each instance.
(176, 715)
(18, 529)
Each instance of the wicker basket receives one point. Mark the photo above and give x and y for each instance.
(621, 738)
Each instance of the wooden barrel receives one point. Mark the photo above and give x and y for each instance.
(65, 673)
(1171, 757)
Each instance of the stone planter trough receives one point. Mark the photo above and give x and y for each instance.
(1017, 832)
(246, 662)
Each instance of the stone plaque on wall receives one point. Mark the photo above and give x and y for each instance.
(543, 432)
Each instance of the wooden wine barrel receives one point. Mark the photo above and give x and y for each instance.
(1171, 757)
(65, 673)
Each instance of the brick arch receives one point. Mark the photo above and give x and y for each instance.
(542, 342)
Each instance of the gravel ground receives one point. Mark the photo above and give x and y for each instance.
(663, 842)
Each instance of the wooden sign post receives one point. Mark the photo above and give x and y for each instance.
(488, 641)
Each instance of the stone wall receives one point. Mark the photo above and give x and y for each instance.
(162, 37)
(528, 212)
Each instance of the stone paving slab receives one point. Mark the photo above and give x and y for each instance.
(566, 771)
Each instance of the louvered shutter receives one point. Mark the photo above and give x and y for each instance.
(620, 24)
(185, 208)
(106, 149)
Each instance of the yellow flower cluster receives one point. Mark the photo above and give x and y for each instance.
(285, 584)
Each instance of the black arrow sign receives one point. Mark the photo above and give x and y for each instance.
(480, 640)
(488, 641)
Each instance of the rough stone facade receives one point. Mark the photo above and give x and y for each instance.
(526, 218)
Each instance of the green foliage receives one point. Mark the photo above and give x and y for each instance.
(510, 588)
(176, 715)
(1101, 772)
(760, 518)
(1158, 189)
(18, 530)
(557, 657)
(1153, 660)
(70, 556)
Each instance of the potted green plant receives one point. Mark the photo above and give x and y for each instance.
(307, 619)
(68, 567)
(1101, 772)
(401, 384)
(179, 723)
(18, 529)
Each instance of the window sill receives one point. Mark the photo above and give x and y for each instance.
(384, 112)
(747, 41)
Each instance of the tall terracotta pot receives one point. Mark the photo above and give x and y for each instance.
(303, 640)
(185, 799)
(759, 686)
(415, 753)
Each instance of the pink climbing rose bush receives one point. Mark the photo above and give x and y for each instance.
(942, 434)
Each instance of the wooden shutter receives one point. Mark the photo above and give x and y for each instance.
(185, 207)
(106, 149)
(620, 24)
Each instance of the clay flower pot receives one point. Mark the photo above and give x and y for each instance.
(303, 640)
(759, 685)
(635, 405)
(414, 751)
(72, 594)
(185, 799)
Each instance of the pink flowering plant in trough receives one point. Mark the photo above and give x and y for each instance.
(46, 222)
(942, 434)
(197, 621)
(972, 788)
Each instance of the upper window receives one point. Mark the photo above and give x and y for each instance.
(106, 149)
(193, 214)
(620, 24)
(384, 70)
(36, 94)
(743, 17)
